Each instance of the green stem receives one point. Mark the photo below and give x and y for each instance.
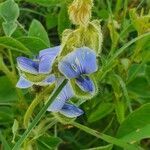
(34, 103)
(39, 115)
(105, 137)
(32, 11)
(42, 128)
(30, 110)
(11, 61)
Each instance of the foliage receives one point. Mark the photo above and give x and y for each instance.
(116, 116)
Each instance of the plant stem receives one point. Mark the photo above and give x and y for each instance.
(39, 115)
(34, 103)
(105, 137)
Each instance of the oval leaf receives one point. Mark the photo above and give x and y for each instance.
(33, 43)
(14, 44)
(136, 126)
(37, 30)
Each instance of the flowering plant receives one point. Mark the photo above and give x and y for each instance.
(94, 83)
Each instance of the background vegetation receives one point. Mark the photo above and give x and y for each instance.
(122, 107)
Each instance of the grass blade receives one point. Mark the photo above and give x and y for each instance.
(39, 115)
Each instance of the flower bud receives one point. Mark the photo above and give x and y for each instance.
(80, 12)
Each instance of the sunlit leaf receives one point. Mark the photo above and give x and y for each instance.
(136, 126)
(37, 30)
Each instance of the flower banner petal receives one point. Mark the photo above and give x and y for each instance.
(80, 61)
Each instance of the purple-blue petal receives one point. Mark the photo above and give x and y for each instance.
(47, 58)
(50, 51)
(71, 111)
(85, 83)
(59, 102)
(27, 65)
(81, 61)
(23, 83)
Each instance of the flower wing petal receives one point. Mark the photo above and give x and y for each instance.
(85, 83)
(71, 111)
(23, 83)
(27, 65)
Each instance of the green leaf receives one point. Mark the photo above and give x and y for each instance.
(102, 110)
(37, 30)
(136, 126)
(15, 130)
(6, 115)
(9, 10)
(114, 36)
(140, 22)
(4, 142)
(139, 87)
(63, 19)
(46, 3)
(51, 21)
(9, 28)
(48, 142)
(107, 147)
(13, 44)
(106, 68)
(147, 73)
(107, 138)
(5, 89)
(35, 44)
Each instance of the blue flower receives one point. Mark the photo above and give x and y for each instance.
(61, 105)
(41, 66)
(79, 64)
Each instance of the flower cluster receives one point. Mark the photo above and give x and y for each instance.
(77, 65)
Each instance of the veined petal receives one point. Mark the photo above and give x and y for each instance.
(85, 83)
(80, 61)
(59, 102)
(27, 65)
(47, 58)
(71, 111)
(68, 69)
(23, 83)
(48, 80)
